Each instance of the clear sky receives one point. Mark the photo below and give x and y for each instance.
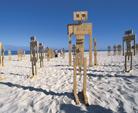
(48, 19)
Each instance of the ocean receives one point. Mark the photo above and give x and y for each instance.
(15, 52)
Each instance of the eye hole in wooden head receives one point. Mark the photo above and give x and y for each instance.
(40, 44)
(83, 15)
(77, 15)
(32, 38)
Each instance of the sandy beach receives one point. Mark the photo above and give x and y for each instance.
(109, 88)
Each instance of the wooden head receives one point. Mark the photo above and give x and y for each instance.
(80, 16)
(129, 36)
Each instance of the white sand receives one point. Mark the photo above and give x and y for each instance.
(110, 89)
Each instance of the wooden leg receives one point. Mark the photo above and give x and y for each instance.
(95, 58)
(125, 63)
(35, 69)
(32, 69)
(85, 82)
(131, 63)
(75, 84)
(2, 61)
(90, 51)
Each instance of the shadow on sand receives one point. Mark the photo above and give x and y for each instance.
(121, 76)
(23, 67)
(30, 88)
(60, 65)
(69, 108)
(16, 74)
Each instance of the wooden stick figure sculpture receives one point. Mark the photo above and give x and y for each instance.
(41, 54)
(95, 52)
(109, 50)
(52, 53)
(128, 38)
(33, 55)
(119, 49)
(46, 51)
(24, 53)
(9, 54)
(48, 54)
(63, 52)
(80, 30)
(114, 50)
(137, 48)
(1, 54)
(20, 54)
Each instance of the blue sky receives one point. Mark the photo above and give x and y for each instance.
(48, 19)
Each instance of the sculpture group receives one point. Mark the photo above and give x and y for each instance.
(80, 28)
(38, 53)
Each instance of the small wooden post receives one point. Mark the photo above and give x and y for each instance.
(95, 52)
(1, 55)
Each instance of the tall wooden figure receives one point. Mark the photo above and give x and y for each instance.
(1, 54)
(45, 52)
(63, 52)
(41, 54)
(109, 50)
(20, 54)
(114, 50)
(9, 54)
(48, 53)
(33, 55)
(80, 30)
(128, 38)
(119, 49)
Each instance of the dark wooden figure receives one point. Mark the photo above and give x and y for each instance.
(114, 49)
(119, 49)
(41, 54)
(127, 39)
(34, 55)
(109, 50)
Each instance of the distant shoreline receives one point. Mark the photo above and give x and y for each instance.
(28, 52)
